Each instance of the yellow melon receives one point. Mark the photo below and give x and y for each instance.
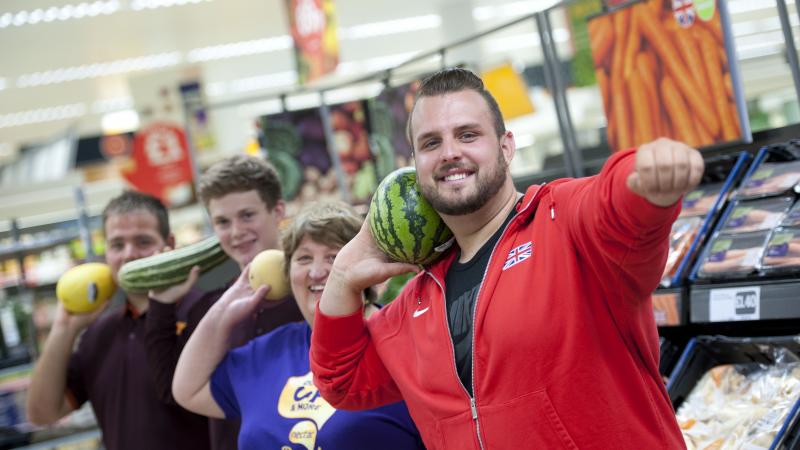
(85, 287)
(268, 268)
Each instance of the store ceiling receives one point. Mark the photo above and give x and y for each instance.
(67, 62)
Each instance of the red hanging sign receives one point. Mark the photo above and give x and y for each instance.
(160, 164)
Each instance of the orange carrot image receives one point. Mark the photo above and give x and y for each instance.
(715, 27)
(602, 32)
(632, 44)
(691, 55)
(641, 110)
(653, 32)
(621, 113)
(703, 137)
(708, 49)
(678, 112)
(728, 85)
(645, 72)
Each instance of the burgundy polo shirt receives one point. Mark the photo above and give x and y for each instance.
(110, 370)
(169, 327)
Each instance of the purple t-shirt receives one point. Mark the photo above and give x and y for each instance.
(268, 384)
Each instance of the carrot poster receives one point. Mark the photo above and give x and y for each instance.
(666, 68)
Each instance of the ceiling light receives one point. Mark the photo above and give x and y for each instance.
(120, 122)
(387, 27)
(41, 115)
(82, 10)
(96, 70)
(2, 83)
(20, 18)
(514, 9)
(109, 105)
(283, 42)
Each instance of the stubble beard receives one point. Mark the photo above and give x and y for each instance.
(485, 189)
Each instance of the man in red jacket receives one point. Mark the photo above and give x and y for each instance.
(536, 329)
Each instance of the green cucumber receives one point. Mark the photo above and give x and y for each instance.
(170, 268)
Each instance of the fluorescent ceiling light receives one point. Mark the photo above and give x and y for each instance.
(242, 48)
(138, 5)
(373, 64)
(41, 115)
(2, 83)
(96, 70)
(514, 9)
(388, 27)
(261, 82)
(109, 105)
(83, 10)
(120, 121)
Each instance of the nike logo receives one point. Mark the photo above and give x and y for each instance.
(420, 312)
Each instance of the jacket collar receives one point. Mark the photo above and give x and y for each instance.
(526, 210)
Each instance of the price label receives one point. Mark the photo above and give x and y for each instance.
(732, 304)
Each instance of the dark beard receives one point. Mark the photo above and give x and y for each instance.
(486, 189)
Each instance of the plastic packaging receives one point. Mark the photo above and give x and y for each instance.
(783, 251)
(699, 201)
(757, 215)
(740, 406)
(683, 233)
(733, 255)
(792, 218)
(771, 178)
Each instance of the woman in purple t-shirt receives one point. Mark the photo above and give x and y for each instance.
(268, 382)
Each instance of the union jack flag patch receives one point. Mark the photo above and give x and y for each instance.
(518, 255)
(684, 12)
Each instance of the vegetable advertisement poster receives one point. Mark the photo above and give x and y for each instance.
(668, 68)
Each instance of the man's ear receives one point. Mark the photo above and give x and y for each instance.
(508, 146)
(170, 241)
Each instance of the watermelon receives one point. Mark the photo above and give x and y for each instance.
(404, 225)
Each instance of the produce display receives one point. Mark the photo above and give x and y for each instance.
(296, 145)
(684, 230)
(172, 267)
(269, 268)
(699, 201)
(85, 287)
(739, 406)
(757, 215)
(732, 255)
(771, 178)
(405, 226)
(783, 251)
(663, 73)
(792, 218)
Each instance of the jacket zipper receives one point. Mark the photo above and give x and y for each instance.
(473, 403)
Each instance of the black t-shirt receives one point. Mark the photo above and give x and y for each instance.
(463, 281)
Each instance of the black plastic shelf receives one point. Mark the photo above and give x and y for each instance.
(745, 301)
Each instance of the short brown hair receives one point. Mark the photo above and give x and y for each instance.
(132, 201)
(241, 173)
(456, 79)
(326, 222)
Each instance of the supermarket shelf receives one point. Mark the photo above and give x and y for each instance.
(668, 307)
(37, 246)
(745, 301)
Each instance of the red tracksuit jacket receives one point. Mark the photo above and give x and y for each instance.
(565, 352)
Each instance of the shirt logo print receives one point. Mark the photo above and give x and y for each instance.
(518, 255)
(419, 312)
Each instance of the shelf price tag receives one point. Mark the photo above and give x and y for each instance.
(732, 304)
